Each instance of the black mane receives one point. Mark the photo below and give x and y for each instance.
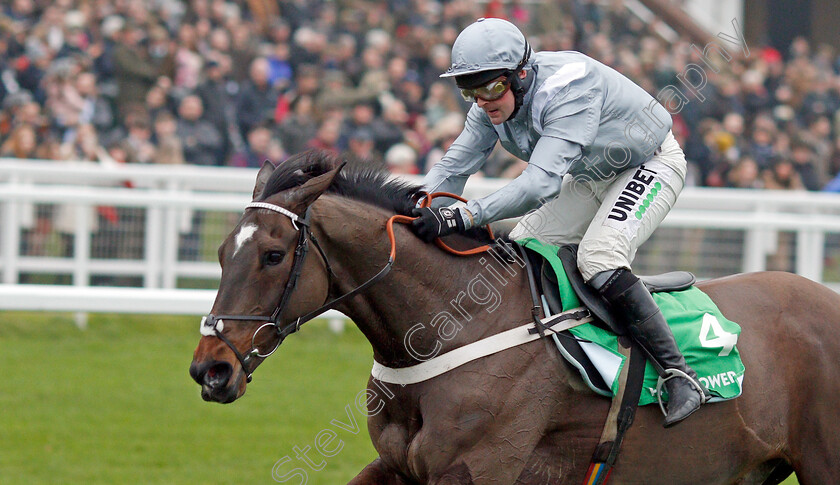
(366, 184)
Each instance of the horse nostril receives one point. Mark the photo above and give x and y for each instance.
(217, 375)
(197, 371)
(212, 373)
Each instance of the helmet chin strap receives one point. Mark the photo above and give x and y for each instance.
(519, 87)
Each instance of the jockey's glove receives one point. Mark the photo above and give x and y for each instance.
(432, 223)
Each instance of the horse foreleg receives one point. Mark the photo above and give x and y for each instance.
(377, 474)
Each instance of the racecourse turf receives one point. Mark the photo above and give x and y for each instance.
(115, 404)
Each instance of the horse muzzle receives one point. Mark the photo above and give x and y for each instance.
(216, 380)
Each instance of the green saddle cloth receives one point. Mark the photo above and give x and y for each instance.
(706, 338)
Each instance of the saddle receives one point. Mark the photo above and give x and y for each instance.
(548, 286)
(544, 282)
(671, 281)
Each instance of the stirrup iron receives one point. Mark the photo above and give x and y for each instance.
(676, 373)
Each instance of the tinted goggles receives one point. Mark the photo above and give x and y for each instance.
(489, 92)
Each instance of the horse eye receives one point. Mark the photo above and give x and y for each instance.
(272, 258)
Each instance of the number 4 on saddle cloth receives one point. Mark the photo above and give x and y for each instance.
(705, 337)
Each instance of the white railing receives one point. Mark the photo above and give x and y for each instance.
(168, 195)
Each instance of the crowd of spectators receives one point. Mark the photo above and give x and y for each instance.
(235, 82)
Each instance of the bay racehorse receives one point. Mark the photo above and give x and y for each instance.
(521, 415)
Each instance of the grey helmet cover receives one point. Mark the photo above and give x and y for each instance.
(486, 49)
(488, 44)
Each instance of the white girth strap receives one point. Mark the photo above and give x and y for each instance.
(468, 353)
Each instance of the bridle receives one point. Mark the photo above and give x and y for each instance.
(213, 325)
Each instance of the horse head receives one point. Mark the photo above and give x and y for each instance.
(260, 296)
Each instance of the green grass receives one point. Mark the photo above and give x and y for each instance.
(115, 404)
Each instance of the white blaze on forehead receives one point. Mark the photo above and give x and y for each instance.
(246, 232)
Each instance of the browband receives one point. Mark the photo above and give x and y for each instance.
(276, 208)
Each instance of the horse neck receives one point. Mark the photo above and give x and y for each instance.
(447, 301)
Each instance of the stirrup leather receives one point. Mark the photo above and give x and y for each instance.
(676, 373)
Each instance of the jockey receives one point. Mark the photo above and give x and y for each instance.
(603, 171)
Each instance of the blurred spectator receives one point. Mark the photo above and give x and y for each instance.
(744, 175)
(818, 101)
(401, 159)
(29, 69)
(374, 81)
(102, 51)
(727, 99)
(243, 51)
(257, 98)
(410, 91)
(326, 138)
(21, 143)
(307, 82)
(344, 58)
(299, 127)
(418, 136)
(64, 103)
(308, 45)
(217, 93)
(818, 135)
(834, 161)
(440, 102)
(31, 113)
(389, 129)
(95, 108)
(202, 142)
(83, 145)
(442, 135)
(782, 175)
(756, 98)
(802, 156)
(259, 140)
(279, 67)
(161, 52)
(360, 148)
(335, 92)
(188, 62)
(22, 11)
(361, 116)
(307, 70)
(168, 146)
(157, 100)
(438, 63)
(134, 71)
(761, 147)
(138, 142)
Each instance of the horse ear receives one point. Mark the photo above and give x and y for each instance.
(262, 177)
(306, 194)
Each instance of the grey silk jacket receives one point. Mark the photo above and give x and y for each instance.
(579, 117)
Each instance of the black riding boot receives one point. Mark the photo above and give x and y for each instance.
(627, 294)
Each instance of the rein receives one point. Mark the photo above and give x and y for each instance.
(213, 325)
(427, 202)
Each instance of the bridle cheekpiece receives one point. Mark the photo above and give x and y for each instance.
(213, 325)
